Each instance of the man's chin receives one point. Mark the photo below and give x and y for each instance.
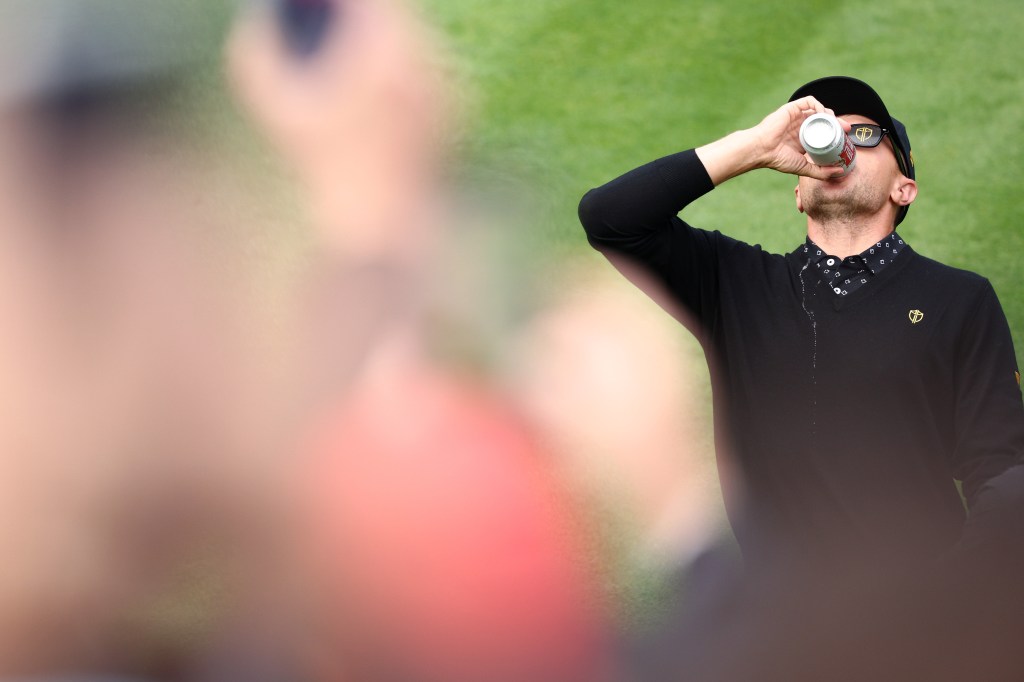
(826, 210)
(832, 197)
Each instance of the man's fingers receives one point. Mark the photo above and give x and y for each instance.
(820, 172)
(812, 170)
(808, 105)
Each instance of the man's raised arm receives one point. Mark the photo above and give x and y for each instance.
(635, 214)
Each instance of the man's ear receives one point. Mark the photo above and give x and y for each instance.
(799, 201)
(905, 191)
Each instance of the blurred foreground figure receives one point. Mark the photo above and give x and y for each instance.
(128, 455)
(615, 387)
(439, 545)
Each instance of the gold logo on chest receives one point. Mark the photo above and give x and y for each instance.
(915, 316)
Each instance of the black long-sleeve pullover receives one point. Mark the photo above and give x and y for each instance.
(850, 417)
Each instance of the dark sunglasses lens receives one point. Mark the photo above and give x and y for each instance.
(866, 135)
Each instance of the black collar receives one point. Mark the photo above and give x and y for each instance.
(844, 276)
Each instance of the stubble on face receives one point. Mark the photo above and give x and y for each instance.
(859, 200)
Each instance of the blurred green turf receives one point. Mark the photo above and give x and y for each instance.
(578, 91)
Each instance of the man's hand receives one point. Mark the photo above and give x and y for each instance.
(363, 120)
(779, 134)
(773, 143)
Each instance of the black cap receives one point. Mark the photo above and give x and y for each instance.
(845, 95)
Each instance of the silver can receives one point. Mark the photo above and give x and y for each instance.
(823, 138)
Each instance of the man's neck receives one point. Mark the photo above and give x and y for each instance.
(842, 239)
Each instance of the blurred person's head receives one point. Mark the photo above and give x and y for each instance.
(120, 365)
(617, 388)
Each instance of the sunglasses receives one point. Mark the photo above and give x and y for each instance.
(870, 135)
(867, 134)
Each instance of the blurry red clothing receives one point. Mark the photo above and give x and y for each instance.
(450, 551)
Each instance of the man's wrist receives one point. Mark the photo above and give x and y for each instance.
(732, 155)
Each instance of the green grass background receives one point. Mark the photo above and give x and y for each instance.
(571, 93)
(575, 92)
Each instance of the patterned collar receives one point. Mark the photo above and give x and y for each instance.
(844, 276)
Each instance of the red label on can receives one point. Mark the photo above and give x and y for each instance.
(849, 152)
